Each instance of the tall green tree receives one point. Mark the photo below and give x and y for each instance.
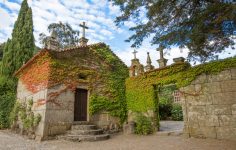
(8, 61)
(1, 50)
(21, 47)
(66, 35)
(205, 27)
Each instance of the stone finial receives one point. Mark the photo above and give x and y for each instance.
(149, 65)
(83, 41)
(162, 61)
(53, 43)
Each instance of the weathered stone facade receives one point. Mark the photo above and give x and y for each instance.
(209, 106)
(58, 113)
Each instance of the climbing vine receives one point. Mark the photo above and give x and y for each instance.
(140, 89)
(50, 70)
(115, 100)
(22, 112)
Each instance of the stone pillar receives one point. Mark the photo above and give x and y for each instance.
(83, 41)
(162, 62)
(52, 42)
(149, 65)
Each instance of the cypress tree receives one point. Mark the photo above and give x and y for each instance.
(20, 49)
(7, 61)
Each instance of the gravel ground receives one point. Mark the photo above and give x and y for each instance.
(10, 141)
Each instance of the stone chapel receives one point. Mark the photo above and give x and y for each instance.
(73, 85)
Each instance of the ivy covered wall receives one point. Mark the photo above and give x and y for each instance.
(95, 67)
(140, 90)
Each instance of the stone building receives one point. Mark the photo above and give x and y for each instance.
(66, 84)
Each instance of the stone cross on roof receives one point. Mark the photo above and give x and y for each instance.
(135, 52)
(160, 49)
(84, 27)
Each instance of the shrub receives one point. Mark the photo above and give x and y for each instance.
(176, 112)
(7, 100)
(22, 112)
(165, 107)
(143, 125)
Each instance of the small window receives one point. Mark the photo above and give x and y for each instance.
(82, 76)
(176, 95)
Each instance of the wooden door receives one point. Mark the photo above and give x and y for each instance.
(80, 111)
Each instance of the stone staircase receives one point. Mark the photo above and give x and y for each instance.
(84, 131)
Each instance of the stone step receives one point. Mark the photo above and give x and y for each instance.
(79, 138)
(82, 123)
(85, 132)
(83, 127)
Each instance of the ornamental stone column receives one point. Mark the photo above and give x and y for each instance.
(162, 61)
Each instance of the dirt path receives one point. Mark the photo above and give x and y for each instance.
(10, 141)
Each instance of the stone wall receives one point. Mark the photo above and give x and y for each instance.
(24, 95)
(209, 106)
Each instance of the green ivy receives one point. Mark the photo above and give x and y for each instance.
(143, 125)
(115, 101)
(22, 112)
(140, 89)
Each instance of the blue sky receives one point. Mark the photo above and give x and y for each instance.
(99, 16)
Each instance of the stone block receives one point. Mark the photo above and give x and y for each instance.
(57, 129)
(222, 76)
(233, 73)
(201, 120)
(224, 98)
(218, 110)
(214, 87)
(228, 86)
(225, 120)
(196, 132)
(204, 100)
(54, 116)
(226, 133)
(200, 79)
(209, 132)
(189, 89)
(233, 107)
(192, 120)
(129, 128)
(212, 120)
(208, 121)
(199, 110)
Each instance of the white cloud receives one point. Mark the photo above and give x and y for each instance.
(99, 16)
(11, 5)
(5, 19)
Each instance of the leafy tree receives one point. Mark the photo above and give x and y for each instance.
(66, 35)
(1, 50)
(205, 27)
(20, 48)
